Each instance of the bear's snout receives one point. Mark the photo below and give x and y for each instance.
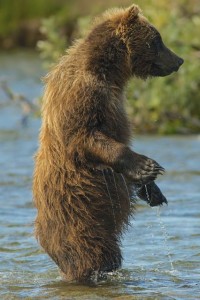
(180, 61)
(166, 63)
(169, 61)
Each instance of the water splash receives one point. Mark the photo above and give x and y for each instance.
(129, 198)
(147, 194)
(111, 201)
(120, 208)
(166, 238)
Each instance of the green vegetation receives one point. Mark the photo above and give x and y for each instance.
(164, 105)
(15, 12)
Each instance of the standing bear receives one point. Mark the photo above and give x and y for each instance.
(85, 170)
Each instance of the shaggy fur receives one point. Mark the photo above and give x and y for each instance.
(84, 168)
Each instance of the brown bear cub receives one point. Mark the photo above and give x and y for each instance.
(85, 171)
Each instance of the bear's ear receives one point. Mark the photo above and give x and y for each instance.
(133, 11)
(127, 18)
(130, 14)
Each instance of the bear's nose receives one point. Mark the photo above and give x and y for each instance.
(180, 62)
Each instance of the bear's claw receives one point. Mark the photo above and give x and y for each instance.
(145, 170)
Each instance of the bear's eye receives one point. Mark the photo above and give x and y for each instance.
(148, 45)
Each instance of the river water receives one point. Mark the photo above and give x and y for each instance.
(162, 246)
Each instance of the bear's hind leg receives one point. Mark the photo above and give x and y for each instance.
(90, 260)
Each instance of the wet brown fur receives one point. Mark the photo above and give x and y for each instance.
(80, 179)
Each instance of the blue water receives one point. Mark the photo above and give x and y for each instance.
(162, 246)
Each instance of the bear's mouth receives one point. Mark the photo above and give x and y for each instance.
(162, 71)
(166, 63)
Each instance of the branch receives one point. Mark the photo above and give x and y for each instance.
(27, 106)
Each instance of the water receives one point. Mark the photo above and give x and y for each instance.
(161, 248)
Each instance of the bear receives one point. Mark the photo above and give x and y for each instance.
(85, 171)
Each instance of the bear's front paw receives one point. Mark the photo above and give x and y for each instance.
(151, 194)
(145, 170)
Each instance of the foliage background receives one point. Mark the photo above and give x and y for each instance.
(162, 105)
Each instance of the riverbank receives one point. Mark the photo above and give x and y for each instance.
(154, 106)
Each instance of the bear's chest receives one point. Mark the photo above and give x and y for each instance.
(117, 124)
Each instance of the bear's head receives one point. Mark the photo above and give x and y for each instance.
(148, 56)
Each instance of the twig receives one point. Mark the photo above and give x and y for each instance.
(18, 97)
(27, 106)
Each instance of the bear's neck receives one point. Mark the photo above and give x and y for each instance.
(106, 57)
